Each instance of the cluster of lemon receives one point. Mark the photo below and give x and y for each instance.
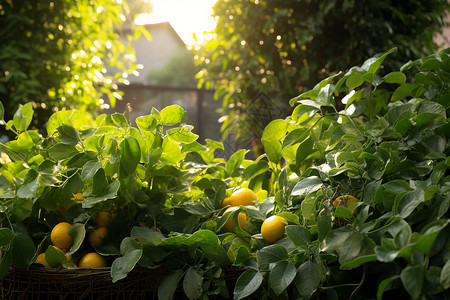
(272, 229)
(62, 240)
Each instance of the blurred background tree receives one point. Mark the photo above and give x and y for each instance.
(280, 48)
(179, 71)
(57, 53)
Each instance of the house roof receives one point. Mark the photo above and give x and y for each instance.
(126, 28)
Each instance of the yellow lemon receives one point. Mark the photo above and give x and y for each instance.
(41, 260)
(229, 225)
(60, 236)
(98, 236)
(92, 260)
(102, 218)
(272, 229)
(242, 196)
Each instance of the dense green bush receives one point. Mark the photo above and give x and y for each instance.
(281, 48)
(56, 54)
(388, 146)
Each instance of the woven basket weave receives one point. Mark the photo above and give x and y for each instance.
(38, 283)
(41, 283)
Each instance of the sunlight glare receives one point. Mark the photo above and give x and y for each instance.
(187, 17)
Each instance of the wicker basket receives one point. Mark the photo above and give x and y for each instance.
(38, 283)
(41, 283)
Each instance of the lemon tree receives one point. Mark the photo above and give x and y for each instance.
(356, 177)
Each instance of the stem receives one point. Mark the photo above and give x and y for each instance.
(360, 284)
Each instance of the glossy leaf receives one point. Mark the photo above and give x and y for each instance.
(247, 283)
(281, 276)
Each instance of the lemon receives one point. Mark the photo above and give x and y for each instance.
(102, 218)
(229, 224)
(226, 202)
(98, 236)
(41, 260)
(60, 236)
(92, 260)
(272, 229)
(242, 196)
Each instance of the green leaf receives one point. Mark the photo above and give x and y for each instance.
(299, 235)
(147, 123)
(308, 207)
(23, 116)
(68, 135)
(406, 204)
(2, 112)
(55, 257)
(275, 130)
(307, 186)
(132, 252)
(403, 236)
(109, 193)
(373, 64)
(90, 169)
(6, 237)
(270, 255)
(169, 284)
(307, 279)
(273, 150)
(23, 248)
(30, 185)
(383, 284)
(281, 276)
(182, 134)
(78, 232)
(5, 262)
(119, 120)
(173, 114)
(325, 96)
(247, 283)
(255, 169)
(235, 161)
(412, 279)
(304, 149)
(395, 77)
(445, 275)
(130, 155)
(403, 91)
(429, 234)
(100, 183)
(192, 284)
(342, 212)
(61, 151)
(323, 223)
(351, 248)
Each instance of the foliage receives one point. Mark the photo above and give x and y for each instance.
(388, 146)
(281, 48)
(179, 71)
(57, 54)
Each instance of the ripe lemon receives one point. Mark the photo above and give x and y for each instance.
(41, 260)
(60, 236)
(346, 201)
(242, 196)
(98, 236)
(226, 202)
(92, 260)
(229, 224)
(272, 229)
(102, 218)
